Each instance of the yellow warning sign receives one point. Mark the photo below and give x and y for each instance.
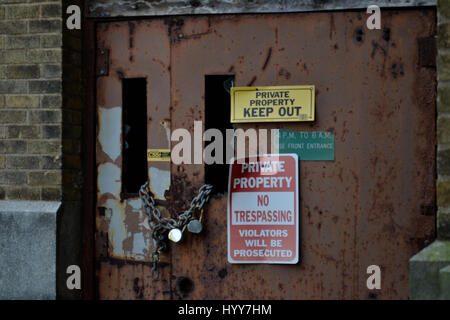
(158, 155)
(272, 104)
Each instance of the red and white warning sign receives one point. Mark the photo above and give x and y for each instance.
(263, 219)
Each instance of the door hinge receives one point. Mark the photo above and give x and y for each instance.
(102, 62)
(427, 52)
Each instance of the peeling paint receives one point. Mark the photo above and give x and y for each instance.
(110, 123)
(124, 241)
(116, 229)
(136, 204)
(159, 182)
(145, 224)
(166, 127)
(109, 179)
(140, 245)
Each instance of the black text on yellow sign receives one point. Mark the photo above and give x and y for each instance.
(158, 155)
(272, 104)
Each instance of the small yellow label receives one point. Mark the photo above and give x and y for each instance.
(158, 155)
(272, 104)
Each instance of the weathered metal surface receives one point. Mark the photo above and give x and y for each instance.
(364, 208)
(115, 8)
(136, 50)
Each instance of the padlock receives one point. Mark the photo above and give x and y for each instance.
(175, 235)
(194, 226)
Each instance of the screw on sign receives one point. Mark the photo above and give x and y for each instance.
(263, 216)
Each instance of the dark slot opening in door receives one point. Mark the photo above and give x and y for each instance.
(134, 135)
(217, 115)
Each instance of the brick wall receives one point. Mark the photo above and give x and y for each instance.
(443, 120)
(41, 101)
(30, 100)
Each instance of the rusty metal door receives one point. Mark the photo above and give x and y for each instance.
(374, 204)
(126, 51)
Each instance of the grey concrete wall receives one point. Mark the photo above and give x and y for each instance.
(114, 8)
(28, 249)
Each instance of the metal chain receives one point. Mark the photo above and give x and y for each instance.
(161, 226)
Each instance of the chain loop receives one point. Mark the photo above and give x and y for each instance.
(160, 226)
